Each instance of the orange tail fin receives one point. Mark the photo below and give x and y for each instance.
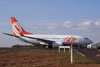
(17, 29)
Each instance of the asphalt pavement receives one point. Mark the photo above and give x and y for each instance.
(93, 54)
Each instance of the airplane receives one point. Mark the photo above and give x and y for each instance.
(54, 40)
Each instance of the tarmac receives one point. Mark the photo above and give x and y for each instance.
(93, 54)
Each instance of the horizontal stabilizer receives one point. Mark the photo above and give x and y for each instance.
(10, 34)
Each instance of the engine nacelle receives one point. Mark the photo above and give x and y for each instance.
(57, 43)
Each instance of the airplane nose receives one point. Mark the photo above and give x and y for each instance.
(90, 41)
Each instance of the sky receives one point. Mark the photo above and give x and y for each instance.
(63, 17)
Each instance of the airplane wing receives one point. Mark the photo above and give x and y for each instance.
(39, 39)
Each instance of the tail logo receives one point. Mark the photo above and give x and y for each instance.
(16, 28)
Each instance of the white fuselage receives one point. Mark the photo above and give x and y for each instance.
(59, 39)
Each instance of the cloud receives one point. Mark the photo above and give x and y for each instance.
(79, 26)
(51, 25)
(67, 24)
(84, 26)
(87, 26)
(97, 23)
(4, 23)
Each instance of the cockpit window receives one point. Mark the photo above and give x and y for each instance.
(86, 38)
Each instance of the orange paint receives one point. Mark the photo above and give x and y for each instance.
(13, 20)
(18, 28)
(68, 41)
(65, 40)
(74, 40)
